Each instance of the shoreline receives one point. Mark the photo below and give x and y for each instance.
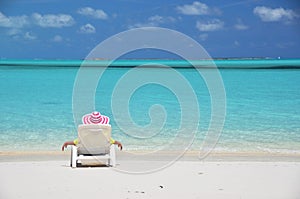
(25, 156)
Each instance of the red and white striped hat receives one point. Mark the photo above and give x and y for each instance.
(95, 118)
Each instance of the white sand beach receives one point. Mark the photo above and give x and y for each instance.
(31, 176)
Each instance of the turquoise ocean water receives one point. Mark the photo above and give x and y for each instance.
(262, 104)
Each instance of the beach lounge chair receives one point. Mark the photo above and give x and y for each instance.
(93, 145)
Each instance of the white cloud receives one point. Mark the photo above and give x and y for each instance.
(14, 31)
(29, 36)
(211, 25)
(57, 38)
(49, 20)
(87, 28)
(154, 21)
(88, 11)
(53, 21)
(196, 8)
(267, 14)
(13, 22)
(160, 19)
(240, 25)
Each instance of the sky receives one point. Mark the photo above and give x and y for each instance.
(70, 29)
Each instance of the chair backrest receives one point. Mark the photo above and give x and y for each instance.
(94, 139)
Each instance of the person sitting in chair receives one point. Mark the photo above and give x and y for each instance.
(93, 118)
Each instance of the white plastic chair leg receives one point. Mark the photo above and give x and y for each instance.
(112, 156)
(73, 156)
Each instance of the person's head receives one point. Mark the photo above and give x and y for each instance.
(95, 118)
